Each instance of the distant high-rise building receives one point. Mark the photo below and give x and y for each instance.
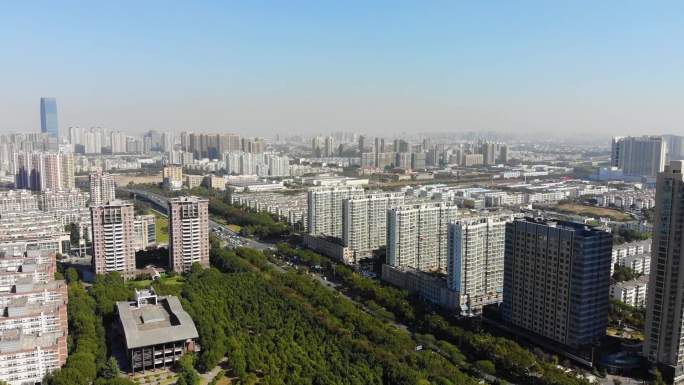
(188, 233)
(417, 235)
(675, 147)
(639, 156)
(167, 141)
(476, 260)
(113, 238)
(364, 222)
(317, 146)
(616, 151)
(329, 149)
(172, 177)
(556, 280)
(403, 160)
(418, 161)
(664, 345)
(503, 154)
(102, 188)
(40, 171)
(325, 209)
(362, 143)
(118, 142)
(488, 153)
(48, 117)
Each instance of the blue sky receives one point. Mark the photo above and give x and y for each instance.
(378, 66)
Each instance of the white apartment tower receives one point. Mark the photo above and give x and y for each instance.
(476, 260)
(364, 222)
(188, 232)
(417, 235)
(664, 344)
(102, 188)
(325, 209)
(639, 156)
(113, 238)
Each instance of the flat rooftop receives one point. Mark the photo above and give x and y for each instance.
(152, 324)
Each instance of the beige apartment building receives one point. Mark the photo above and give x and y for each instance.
(188, 232)
(114, 241)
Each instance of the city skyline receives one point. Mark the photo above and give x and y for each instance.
(413, 67)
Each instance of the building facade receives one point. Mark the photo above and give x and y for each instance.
(157, 331)
(325, 209)
(664, 345)
(102, 188)
(39, 171)
(48, 117)
(114, 241)
(476, 261)
(639, 156)
(33, 318)
(417, 235)
(364, 222)
(556, 280)
(188, 232)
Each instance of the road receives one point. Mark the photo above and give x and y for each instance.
(161, 205)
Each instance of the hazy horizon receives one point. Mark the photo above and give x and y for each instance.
(593, 69)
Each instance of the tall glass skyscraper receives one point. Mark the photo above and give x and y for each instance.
(48, 117)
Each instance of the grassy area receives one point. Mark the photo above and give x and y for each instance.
(162, 228)
(591, 211)
(235, 228)
(175, 280)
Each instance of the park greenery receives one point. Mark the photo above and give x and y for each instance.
(628, 235)
(284, 328)
(625, 315)
(494, 354)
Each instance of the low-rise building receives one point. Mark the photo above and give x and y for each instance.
(157, 331)
(430, 286)
(31, 230)
(632, 292)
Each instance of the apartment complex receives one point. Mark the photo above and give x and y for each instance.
(664, 345)
(114, 242)
(476, 260)
(325, 209)
(172, 177)
(17, 201)
(188, 232)
(417, 235)
(50, 200)
(556, 280)
(102, 188)
(40, 171)
(364, 222)
(245, 163)
(33, 318)
(633, 292)
(29, 231)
